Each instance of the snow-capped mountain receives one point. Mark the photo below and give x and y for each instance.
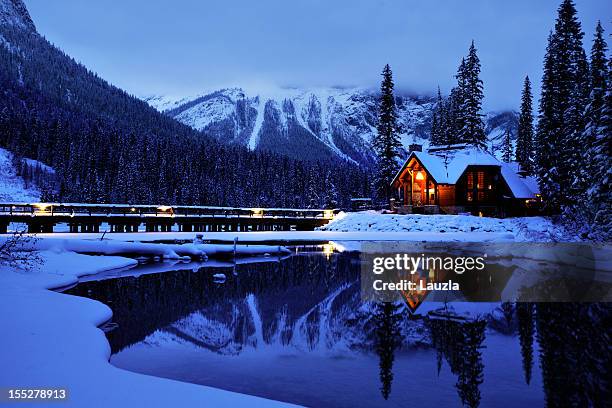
(310, 123)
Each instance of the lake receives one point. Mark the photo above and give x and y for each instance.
(296, 330)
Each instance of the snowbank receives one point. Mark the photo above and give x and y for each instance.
(140, 249)
(298, 236)
(52, 340)
(538, 229)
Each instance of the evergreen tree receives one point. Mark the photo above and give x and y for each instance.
(331, 192)
(437, 122)
(457, 103)
(562, 104)
(471, 128)
(524, 141)
(387, 142)
(598, 135)
(507, 147)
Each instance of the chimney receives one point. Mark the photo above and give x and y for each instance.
(415, 147)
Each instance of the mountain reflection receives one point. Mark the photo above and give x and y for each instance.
(311, 303)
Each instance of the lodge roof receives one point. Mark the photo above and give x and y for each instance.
(447, 165)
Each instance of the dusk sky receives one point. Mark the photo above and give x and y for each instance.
(187, 47)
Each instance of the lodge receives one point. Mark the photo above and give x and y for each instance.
(460, 178)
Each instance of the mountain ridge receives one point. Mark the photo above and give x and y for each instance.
(316, 122)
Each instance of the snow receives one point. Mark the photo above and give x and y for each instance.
(474, 228)
(324, 112)
(15, 13)
(254, 138)
(139, 249)
(54, 341)
(521, 187)
(35, 163)
(314, 237)
(12, 187)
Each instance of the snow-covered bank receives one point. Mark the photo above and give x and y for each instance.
(298, 236)
(75, 244)
(52, 340)
(538, 229)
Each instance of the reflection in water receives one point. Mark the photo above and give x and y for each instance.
(574, 344)
(526, 328)
(459, 341)
(387, 321)
(297, 331)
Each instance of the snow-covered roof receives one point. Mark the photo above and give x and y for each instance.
(447, 166)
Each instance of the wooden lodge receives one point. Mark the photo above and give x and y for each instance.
(457, 179)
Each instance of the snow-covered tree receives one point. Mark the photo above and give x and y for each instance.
(562, 103)
(438, 122)
(599, 196)
(472, 126)
(524, 141)
(507, 147)
(331, 192)
(387, 142)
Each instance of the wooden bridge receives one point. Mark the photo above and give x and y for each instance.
(43, 217)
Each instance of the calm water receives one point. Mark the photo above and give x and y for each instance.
(296, 330)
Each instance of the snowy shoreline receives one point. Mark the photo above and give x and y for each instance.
(520, 229)
(55, 341)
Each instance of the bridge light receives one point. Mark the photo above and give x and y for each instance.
(328, 214)
(164, 208)
(41, 206)
(257, 212)
(132, 209)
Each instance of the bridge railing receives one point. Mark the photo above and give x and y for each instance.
(126, 210)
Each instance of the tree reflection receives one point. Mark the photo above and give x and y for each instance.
(388, 339)
(575, 353)
(459, 342)
(526, 328)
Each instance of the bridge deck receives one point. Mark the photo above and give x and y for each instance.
(42, 217)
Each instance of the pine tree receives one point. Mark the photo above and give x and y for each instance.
(437, 125)
(599, 194)
(472, 126)
(457, 105)
(562, 105)
(387, 142)
(507, 147)
(597, 137)
(524, 141)
(435, 129)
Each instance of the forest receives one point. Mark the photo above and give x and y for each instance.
(108, 146)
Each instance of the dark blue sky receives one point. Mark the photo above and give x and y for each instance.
(186, 47)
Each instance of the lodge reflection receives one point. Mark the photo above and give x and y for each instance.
(313, 302)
